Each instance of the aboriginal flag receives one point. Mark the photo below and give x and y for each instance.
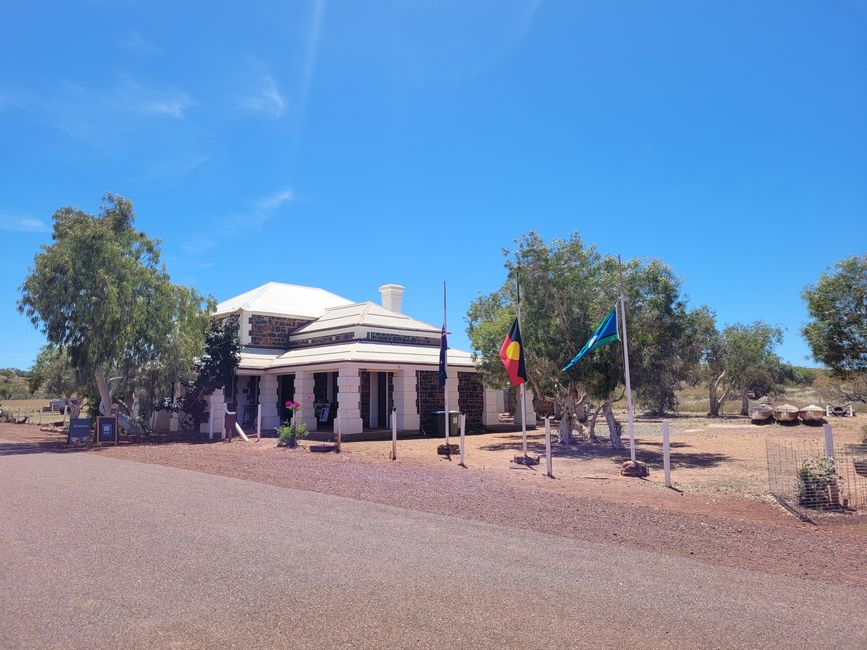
(512, 354)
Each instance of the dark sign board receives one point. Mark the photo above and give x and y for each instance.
(79, 430)
(106, 429)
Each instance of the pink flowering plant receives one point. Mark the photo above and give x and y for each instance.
(288, 432)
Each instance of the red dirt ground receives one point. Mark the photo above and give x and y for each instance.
(721, 515)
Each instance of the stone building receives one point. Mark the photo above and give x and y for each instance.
(353, 361)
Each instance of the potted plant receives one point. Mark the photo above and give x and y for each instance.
(288, 432)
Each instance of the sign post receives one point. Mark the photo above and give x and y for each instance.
(463, 417)
(549, 469)
(394, 433)
(666, 454)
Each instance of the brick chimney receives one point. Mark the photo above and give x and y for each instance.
(392, 296)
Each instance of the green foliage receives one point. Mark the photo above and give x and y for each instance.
(750, 361)
(100, 293)
(837, 330)
(567, 287)
(53, 373)
(816, 477)
(14, 384)
(215, 368)
(288, 434)
(798, 375)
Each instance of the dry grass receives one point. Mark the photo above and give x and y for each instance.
(23, 404)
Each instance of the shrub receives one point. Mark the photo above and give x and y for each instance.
(817, 482)
(288, 434)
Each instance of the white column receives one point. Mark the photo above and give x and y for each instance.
(216, 404)
(531, 414)
(268, 399)
(348, 399)
(304, 395)
(405, 396)
(493, 400)
(452, 388)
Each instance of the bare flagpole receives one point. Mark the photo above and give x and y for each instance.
(630, 416)
(446, 369)
(523, 383)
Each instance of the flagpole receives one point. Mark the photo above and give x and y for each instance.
(630, 416)
(523, 383)
(446, 369)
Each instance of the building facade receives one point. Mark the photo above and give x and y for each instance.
(359, 363)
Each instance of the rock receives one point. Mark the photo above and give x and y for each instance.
(634, 468)
(450, 450)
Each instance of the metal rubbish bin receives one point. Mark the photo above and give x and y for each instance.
(454, 423)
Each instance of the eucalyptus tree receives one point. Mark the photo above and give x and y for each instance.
(742, 359)
(567, 287)
(99, 292)
(837, 329)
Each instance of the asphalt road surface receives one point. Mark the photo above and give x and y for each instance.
(97, 552)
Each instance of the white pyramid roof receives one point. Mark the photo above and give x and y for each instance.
(369, 314)
(281, 299)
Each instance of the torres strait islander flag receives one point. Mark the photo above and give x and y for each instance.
(512, 354)
(606, 332)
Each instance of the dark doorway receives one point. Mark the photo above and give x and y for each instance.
(285, 393)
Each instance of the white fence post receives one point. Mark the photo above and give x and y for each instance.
(829, 440)
(394, 433)
(241, 432)
(549, 463)
(666, 454)
(259, 422)
(463, 417)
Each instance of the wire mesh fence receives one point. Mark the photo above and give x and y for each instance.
(810, 477)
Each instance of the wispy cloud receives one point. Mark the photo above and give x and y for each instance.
(131, 97)
(266, 99)
(259, 213)
(100, 117)
(19, 223)
(273, 201)
(310, 54)
(174, 167)
(135, 43)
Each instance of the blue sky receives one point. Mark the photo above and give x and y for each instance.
(348, 144)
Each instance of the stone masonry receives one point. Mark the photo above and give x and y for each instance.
(272, 331)
(471, 399)
(430, 398)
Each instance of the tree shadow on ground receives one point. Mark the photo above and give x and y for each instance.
(603, 450)
(59, 446)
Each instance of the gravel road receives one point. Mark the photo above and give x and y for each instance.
(101, 552)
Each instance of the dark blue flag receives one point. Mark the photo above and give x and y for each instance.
(444, 344)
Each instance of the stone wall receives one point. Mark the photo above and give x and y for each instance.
(471, 399)
(402, 338)
(322, 340)
(364, 397)
(430, 398)
(272, 331)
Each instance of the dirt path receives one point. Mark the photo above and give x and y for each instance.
(714, 526)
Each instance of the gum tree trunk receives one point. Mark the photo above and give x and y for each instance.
(614, 427)
(104, 392)
(745, 403)
(713, 398)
